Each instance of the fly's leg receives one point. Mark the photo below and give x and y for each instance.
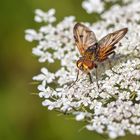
(96, 74)
(90, 78)
(73, 83)
(77, 76)
(110, 66)
(109, 61)
(113, 54)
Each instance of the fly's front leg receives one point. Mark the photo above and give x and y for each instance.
(77, 76)
(75, 79)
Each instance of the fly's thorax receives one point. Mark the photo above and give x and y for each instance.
(91, 53)
(85, 65)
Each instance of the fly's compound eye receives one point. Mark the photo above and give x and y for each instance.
(80, 64)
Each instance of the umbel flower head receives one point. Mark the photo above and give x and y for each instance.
(114, 109)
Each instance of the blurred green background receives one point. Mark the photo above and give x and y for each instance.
(22, 117)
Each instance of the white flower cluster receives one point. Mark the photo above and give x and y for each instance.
(45, 17)
(114, 108)
(98, 5)
(93, 6)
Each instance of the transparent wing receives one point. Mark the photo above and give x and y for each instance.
(84, 37)
(112, 38)
(106, 44)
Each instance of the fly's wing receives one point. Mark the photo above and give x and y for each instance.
(84, 37)
(106, 44)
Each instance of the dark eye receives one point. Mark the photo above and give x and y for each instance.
(81, 36)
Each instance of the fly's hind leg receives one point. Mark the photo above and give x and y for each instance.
(113, 54)
(109, 61)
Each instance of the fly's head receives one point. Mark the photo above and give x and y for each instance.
(85, 65)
